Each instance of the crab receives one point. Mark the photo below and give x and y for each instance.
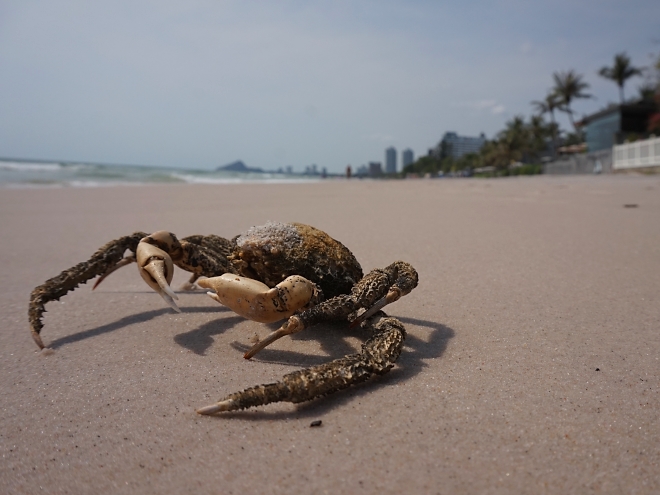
(278, 271)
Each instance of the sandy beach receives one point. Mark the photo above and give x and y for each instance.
(531, 363)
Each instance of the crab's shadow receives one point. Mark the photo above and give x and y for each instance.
(333, 339)
(141, 318)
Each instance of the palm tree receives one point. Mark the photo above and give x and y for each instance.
(549, 105)
(496, 154)
(509, 145)
(620, 72)
(515, 136)
(538, 132)
(568, 87)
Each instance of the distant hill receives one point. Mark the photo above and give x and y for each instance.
(237, 166)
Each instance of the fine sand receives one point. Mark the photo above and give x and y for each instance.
(531, 363)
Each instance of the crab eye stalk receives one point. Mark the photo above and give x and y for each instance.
(156, 269)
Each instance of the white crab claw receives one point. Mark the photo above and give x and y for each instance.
(256, 301)
(156, 268)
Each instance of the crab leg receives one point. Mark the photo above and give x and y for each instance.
(202, 255)
(125, 261)
(100, 263)
(377, 289)
(377, 357)
(205, 255)
(190, 284)
(199, 254)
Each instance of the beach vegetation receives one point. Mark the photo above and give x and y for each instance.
(516, 150)
(620, 72)
(569, 86)
(525, 144)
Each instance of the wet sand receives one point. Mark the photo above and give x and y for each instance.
(531, 363)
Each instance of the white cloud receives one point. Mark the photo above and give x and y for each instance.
(483, 104)
(497, 109)
(493, 106)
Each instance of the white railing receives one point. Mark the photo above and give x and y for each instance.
(643, 153)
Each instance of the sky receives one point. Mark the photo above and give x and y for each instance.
(199, 84)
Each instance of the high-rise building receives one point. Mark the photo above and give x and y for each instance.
(407, 157)
(375, 169)
(390, 160)
(456, 146)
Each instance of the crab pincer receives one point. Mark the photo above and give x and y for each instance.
(156, 267)
(258, 302)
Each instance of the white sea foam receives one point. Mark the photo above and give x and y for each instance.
(194, 179)
(20, 174)
(211, 178)
(29, 166)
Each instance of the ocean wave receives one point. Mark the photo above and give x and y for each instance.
(74, 184)
(29, 167)
(197, 179)
(26, 174)
(216, 178)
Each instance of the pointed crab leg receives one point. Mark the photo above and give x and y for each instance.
(377, 357)
(291, 326)
(53, 289)
(393, 295)
(125, 261)
(402, 279)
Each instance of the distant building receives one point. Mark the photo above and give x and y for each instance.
(289, 169)
(375, 169)
(608, 127)
(456, 146)
(390, 160)
(407, 157)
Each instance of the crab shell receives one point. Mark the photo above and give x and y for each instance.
(272, 252)
(258, 302)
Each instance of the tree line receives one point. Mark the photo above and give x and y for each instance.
(518, 148)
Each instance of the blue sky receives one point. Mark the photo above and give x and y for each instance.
(202, 83)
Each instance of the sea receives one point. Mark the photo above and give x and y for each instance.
(52, 174)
